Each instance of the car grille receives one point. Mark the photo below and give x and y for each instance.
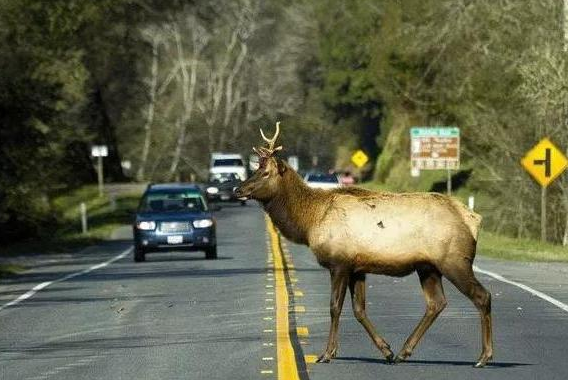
(175, 227)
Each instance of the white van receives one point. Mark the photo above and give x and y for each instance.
(228, 163)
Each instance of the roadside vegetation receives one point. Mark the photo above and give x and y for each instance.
(65, 234)
(523, 249)
(496, 69)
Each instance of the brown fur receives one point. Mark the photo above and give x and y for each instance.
(353, 231)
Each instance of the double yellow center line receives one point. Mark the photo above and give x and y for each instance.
(287, 364)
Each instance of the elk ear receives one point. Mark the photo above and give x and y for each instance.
(281, 167)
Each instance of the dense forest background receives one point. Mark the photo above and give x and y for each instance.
(164, 83)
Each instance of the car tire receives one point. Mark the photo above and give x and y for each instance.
(211, 253)
(139, 255)
(243, 203)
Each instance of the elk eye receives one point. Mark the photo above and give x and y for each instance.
(265, 174)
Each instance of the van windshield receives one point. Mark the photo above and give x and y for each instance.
(224, 177)
(228, 162)
(169, 201)
(325, 178)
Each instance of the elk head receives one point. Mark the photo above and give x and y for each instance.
(265, 182)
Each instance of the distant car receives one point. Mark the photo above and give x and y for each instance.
(174, 217)
(221, 188)
(228, 163)
(346, 179)
(322, 180)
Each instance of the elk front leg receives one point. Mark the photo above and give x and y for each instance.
(339, 280)
(357, 289)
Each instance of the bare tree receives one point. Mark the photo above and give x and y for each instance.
(188, 74)
(213, 78)
(154, 34)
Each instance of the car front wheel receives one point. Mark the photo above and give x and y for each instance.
(139, 255)
(211, 253)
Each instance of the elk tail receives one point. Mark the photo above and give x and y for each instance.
(471, 219)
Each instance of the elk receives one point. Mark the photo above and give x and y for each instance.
(353, 231)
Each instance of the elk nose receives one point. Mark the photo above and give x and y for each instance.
(238, 192)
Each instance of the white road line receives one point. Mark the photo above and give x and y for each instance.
(535, 292)
(43, 285)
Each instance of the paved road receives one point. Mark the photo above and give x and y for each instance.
(178, 316)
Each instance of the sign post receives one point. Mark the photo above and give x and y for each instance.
(83, 209)
(294, 162)
(100, 151)
(544, 162)
(435, 148)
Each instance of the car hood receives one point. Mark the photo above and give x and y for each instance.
(323, 185)
(167, 216)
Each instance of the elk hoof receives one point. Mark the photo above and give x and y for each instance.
(483, 361)
(327, 356)
(402, 356)
(390, 358)
(324, 358)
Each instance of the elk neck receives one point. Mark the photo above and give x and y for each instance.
(296, 208)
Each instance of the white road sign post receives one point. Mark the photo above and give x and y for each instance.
(294, 162)
(435, 148)
(83, 209)
(100, 151)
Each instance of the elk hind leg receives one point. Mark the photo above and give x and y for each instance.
(463, 278)
(357, 290)
(431, 282)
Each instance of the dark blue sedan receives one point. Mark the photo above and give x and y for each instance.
(174, 217)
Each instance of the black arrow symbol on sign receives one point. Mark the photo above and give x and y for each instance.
(545, 162)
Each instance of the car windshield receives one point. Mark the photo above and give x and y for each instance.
(224, 177)
(228, 162)
(169, 201)
(331, 178)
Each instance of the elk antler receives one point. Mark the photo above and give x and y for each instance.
(271, 141)
(267, 152)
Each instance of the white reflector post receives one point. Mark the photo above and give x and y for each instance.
(471, 202)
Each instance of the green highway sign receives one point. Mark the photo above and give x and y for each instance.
(434, 132)
(434, 148)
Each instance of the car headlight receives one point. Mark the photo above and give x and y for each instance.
(212, 190)
(146, 225)
(202, 223)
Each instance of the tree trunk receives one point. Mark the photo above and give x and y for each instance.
(231, 101)
(106, 135)
(188, 94)
(140, 175)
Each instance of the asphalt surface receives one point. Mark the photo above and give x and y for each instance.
(179, 316)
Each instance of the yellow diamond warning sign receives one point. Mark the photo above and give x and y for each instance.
(544, 162)
(359, 158)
